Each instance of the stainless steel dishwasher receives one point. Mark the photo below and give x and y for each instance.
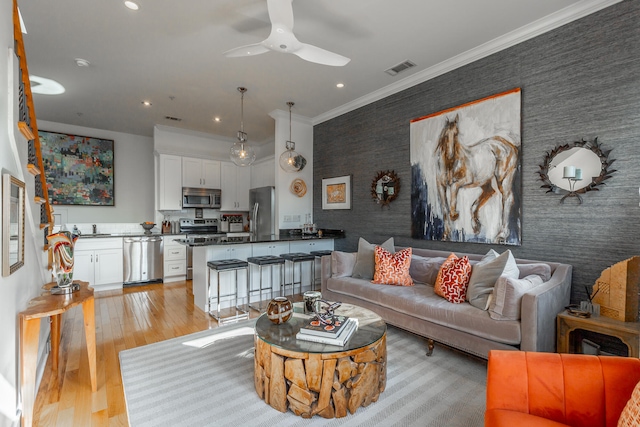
(142, 260)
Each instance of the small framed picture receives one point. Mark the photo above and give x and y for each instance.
(336, 193)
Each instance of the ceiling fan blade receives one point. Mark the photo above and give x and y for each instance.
(281, 13)
(248, 50)
(318, 55)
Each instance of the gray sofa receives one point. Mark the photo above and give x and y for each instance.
(419, 310)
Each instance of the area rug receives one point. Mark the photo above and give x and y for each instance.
(206, 379)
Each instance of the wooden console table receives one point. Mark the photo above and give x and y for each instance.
(627, 332)
(48, 305)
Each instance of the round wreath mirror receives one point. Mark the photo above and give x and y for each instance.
(385, 187)
(574, 169)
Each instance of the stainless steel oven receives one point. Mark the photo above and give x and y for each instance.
(198, 230)
(201, 198)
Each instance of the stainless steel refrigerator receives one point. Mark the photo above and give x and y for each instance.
(263, 211)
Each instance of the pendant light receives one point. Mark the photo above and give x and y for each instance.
(290, 161)
(241, 153)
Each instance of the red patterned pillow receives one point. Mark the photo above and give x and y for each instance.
(455, 280)
(392, 269)
(437, 287)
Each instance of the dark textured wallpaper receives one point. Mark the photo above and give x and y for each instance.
(579, 81)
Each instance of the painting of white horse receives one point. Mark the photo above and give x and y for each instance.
(466, 172)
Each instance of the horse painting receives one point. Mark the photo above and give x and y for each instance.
(488, 164)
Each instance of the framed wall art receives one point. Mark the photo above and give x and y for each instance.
(466, 172)
(79, 169)
(336, 193)
(12, 224)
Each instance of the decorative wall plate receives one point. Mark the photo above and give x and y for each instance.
(298, 187)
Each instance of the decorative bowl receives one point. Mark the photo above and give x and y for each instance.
(279, 310)
(147, 226)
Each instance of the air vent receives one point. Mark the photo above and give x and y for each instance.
(400, 68)
(175, 119)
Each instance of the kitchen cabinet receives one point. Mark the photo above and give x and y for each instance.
(169, 182)
(174, 258)
(235, 182)
(263, 174)
(200, 173)
(99, 261)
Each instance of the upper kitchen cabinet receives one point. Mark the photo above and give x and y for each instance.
(200, 173)
(263, 174)
(235, 182)
(169, 182)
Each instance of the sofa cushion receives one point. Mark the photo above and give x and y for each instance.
(507, 296)
(541, 269)
(342, 263)
(438, 285)
(484, 276)
(455, 279)
(365, 263)
(425, 269)
(392, 269)
(421, 302)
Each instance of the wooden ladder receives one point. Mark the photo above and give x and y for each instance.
(29, 128)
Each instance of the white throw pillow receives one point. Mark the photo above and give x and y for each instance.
(342, 263)
(485, 274)
(507, 296)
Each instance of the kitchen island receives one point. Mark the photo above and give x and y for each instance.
(221, 248)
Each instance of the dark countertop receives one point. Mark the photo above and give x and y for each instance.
(215, 241)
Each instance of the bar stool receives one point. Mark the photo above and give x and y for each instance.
(264, 261)
(299, 258)
(318, 255)
(221, 266)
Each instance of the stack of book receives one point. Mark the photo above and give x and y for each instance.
(337, 333)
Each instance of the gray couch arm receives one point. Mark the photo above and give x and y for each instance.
(539, 309)
(325, 272)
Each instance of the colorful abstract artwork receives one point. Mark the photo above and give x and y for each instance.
(79, 169)
(336, 193)
(467, 174)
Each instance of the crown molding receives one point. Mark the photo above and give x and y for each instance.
(529, 31)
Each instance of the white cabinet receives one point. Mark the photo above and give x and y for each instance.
(263, 174)
(235, 182)
(175, 259)
(200, 173)
(169, 182)
(99, 262)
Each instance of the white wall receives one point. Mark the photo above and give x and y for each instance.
(287, 203)
(18, 288)
(133, 178)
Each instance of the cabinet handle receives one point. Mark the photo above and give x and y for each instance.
(96, 257)
(175, 252)
(175, 268)
(91, 258)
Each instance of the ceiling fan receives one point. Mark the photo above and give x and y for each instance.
(283, 40)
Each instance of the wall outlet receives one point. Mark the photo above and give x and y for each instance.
(295, 218)
(287, 218)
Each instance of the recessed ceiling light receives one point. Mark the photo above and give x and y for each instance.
(132, 5)
(82, 62)
(217, 119)
(45, 86)
(146, 103)
(340, 85)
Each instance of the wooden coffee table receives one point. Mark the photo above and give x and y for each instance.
(311, 378)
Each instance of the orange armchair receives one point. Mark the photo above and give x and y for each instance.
(548, 389)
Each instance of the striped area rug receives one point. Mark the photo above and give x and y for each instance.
(206, 379)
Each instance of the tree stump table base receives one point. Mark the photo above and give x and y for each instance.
(324, 384)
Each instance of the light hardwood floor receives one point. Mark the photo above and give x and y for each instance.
(124, 319)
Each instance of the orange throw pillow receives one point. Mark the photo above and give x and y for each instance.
(630, 415)
(437, 287)
(392, 269)
(455, 280)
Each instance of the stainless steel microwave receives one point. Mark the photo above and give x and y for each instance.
(201, 198)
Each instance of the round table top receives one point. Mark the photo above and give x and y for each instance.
(371, 328)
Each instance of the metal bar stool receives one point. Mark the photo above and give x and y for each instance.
(318, 255)
(299, 258)
(264, 261)
(227, 265)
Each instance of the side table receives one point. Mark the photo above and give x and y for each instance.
(48, 305)
(627, 332)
